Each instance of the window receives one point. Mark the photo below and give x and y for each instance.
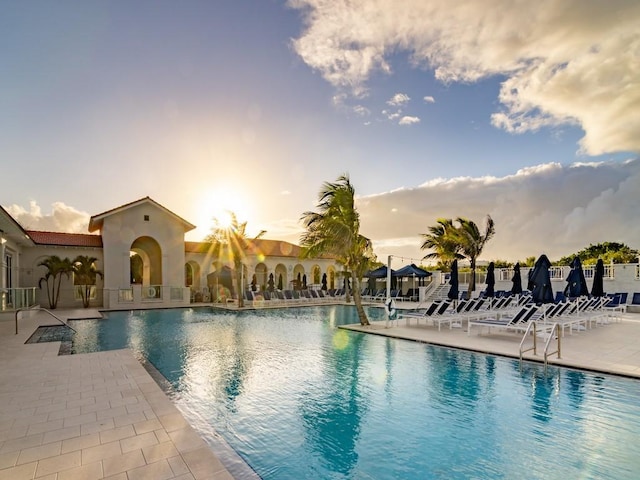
(146, 218)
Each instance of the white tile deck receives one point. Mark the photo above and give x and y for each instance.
(102, 416)
(89, 416)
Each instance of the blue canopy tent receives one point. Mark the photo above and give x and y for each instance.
(412, 271)
(380, 272)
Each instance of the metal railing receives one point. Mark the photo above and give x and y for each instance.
(15, 298)
(532, 326)
(46, 311)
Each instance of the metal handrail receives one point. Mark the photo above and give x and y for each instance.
(44, 310)
(555, 327)
(524, 337)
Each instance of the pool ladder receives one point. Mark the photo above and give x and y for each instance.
(44, 310)
(554, 329)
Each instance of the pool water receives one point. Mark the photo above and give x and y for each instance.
(298, 398)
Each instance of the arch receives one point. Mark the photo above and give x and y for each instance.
(149, 251)
(298, 272)
(192, 274)
(261, 275)
(331, 273)
(316, 274)
(281, 273)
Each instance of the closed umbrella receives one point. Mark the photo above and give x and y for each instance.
(540, 281)
(324, 281)
(280, 282)
(516, 289)
(576, 283)
(270, 282)
(453, 281)
(304, 281)
(491, 281)
(597, 289)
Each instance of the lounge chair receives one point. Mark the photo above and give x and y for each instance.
(517, 322)
(418, 314)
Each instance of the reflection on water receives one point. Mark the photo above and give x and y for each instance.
(298, 398)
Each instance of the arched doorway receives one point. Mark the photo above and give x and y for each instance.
(298, 272)
(281, 277)
(192, 274)
(147, 268)
(331, 273)
(261, 276)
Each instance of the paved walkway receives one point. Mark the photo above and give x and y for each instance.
(612, 348)
(89, 416)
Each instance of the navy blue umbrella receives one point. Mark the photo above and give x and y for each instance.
(576, 283)
(453, 281)
(491, 281)
(597, 289)
(516, 289)
(540, 281)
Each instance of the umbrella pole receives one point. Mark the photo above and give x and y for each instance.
(388, 287)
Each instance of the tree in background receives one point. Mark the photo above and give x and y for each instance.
(335, 230)
(450, 242)
(85, 275)
(609, 252)
(444, 247)
(56, 268)
(472, 242)
(230, 243)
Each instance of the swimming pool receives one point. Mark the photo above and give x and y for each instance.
(299, 398)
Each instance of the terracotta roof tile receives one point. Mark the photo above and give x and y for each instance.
(65, 239)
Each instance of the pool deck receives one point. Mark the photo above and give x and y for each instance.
(613, 348)
(89, 416)
(103, 416)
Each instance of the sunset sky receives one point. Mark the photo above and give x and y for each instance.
(526, 111)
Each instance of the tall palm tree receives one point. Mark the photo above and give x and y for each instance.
(441, 241)
(471, 242)
(230, 243)
(56, 268)
(335, 230)
(86, 273)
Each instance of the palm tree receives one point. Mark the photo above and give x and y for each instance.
(230, 243)
(86, 273)
(471, 242)
(335, 230)
(440, 240)
(56, 267)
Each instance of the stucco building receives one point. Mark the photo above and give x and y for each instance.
(141, 250)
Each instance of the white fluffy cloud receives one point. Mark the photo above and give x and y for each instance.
(62, 218)
(575, 61)
(408, 120)
(548, 208)
(398, 100)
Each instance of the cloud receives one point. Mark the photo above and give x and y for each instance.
(429, 99)
(571, 62)
(62, 218)
(361, 110)
(398, 100)
(407, 120)
(548, 208)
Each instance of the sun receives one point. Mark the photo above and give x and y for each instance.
(218, 203)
